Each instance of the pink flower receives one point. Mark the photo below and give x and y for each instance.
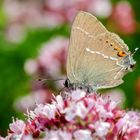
(102, 128)
(82, 135)
(48, 111)
(17, 127)
(129, 125)
(15, 33)
(1, 138)
(30, 66)
(88, 117)
(37, 96)
(52, 57)
(77, 95)
(115, 95)
(49, 13)
(59, 103)
(101, 8)
(76, 110)
(58, 135)
(123, 18)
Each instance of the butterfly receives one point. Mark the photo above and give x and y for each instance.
(96, 57)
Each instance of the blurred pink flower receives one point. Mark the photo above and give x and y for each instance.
(123, 18)
(68, 9)
(48, 13)
(51, 60)
(129, 126)
(16, 130)
(1, 138)
(52, 57)
(101, 8)
(94, 117)
(116, 95)
(15, 33)
(17, 127)
(49, 65)
(29, 102)
(30, 66)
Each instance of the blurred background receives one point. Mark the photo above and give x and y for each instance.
(34, 36)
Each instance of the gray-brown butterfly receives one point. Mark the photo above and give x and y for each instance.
(96, 58)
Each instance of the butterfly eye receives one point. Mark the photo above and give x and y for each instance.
(132, 66)
(121, 53)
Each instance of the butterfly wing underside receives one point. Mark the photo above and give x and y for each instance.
(91, 55)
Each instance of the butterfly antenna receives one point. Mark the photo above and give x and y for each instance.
(136, 49)
(45, 79)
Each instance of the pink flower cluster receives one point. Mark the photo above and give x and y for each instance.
(123, 18)
(52, 12)
(48, 13)
(51, 60)
(79, 116)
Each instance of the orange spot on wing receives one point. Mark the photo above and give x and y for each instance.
(121, 53)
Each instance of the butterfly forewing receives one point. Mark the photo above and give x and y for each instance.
(82, 30)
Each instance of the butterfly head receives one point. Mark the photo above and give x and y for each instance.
(132, 62)
(128, 62)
